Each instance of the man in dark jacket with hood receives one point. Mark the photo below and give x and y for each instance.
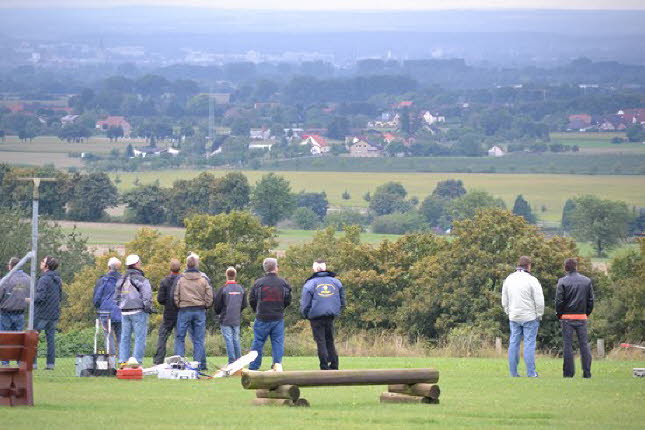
(109, 312)
(48, 295)
(573, 305)
(323, 299)
(166, 298)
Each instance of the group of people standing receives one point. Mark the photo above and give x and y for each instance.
(15, 297)
(124, 303)
(523, 302)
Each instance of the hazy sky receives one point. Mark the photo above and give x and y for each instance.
(342, 4)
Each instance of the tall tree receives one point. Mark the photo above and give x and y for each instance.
(91, 195)
(599, 221)
(522, 208)
(567, 212)
(272, 199)
(449, 189)
(147, 204)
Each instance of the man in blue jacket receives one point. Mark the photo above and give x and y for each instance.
(105, 304)
(323, 299)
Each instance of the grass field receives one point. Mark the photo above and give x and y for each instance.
(119, 234)
(597, 142)
(475, 393)
(547, 190)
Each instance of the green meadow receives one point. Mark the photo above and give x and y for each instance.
(476, 393)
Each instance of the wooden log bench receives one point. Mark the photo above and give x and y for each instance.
(283, 388)
(16, 384)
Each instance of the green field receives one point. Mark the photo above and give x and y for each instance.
(119, 234)
(550, 191)
(475, 393)
(597, 142)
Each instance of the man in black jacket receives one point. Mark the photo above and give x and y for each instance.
(166, 297)
(229, 302)
(573, 304)
(47, 298)
(269, 297)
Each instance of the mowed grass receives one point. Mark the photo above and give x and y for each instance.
(541, 190)
(475, 393)
(597, 142)
(119, 234)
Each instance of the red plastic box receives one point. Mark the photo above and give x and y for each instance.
(130, 373)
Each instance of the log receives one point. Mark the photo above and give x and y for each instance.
(388, 397)
(253, 380)
(423, 390)
(302, 403)
(282, 392)
(272, 402)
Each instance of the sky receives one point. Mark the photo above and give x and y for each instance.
(341, 4)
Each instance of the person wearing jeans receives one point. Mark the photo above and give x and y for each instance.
(47, 300)
(166, 297)
(193, 295)
(574, 300)
(136, 323)
(133, 296)
(229, 302)
(269, 297)
(523, 302)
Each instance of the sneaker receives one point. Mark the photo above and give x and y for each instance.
(277, 367)
(49, 367)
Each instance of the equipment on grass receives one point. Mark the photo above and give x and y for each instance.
(130, 373)
(629, 345)
(237, 365)
(100, 363)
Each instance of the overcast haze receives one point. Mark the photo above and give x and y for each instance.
(343, 4)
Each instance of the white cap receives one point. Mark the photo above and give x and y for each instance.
(132, 259)
(319, 267)
(112, 261)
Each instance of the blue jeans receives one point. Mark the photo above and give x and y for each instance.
(137, 323)
(50, 333)
(231, 334)
(262, 330)
(528, 331)
(193, 321)
(11, 322)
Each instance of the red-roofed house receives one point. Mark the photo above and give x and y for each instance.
(633, 116)
(404, 104)
(115, 121)
(317, 143)
(583, 118)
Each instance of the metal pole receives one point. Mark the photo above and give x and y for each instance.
(34, 253)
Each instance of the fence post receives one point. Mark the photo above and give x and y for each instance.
(600, 348)
(498, 345)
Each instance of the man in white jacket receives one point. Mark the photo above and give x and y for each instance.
(523, 302)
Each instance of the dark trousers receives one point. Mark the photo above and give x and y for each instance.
(580, 327)
(49, 326)
(323, 330)
(165, 329)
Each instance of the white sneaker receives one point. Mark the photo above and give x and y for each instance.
(277, 367)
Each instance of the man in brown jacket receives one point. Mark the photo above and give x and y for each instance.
(193, 295)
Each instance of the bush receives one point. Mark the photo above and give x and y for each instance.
(346, 217)
(399, 223)
(305, 219)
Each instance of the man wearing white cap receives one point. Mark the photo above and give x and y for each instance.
(105, 303)
(134, 298)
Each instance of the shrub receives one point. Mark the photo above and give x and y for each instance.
(346, 217)
(399, 223)
(305, 219)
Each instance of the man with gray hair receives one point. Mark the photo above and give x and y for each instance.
(14, 295)
(523, 302)
(105, 303)
(323, 299)
(269, 297)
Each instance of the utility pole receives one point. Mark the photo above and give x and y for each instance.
(34, 243)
